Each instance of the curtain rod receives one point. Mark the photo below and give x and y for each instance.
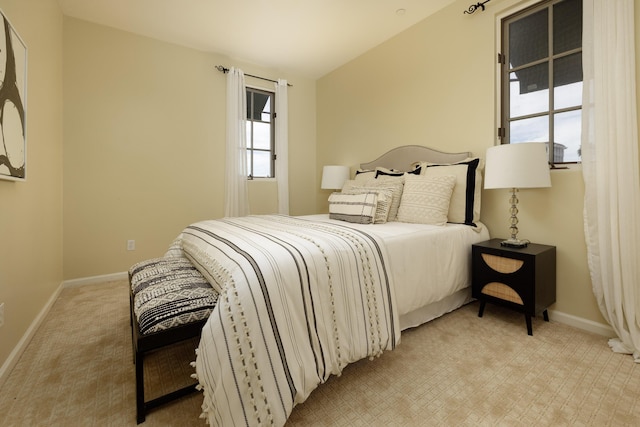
(225, 70)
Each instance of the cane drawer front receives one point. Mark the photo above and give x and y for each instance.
(523, 279)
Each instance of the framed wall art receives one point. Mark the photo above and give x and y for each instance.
(13, 98)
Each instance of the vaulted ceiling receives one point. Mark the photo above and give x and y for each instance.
(309, 37)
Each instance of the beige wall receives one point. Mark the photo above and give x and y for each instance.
(144, 145)
(31, 211)
(434, 85)
(144, 132)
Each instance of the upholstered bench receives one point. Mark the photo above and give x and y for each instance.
(170, 302)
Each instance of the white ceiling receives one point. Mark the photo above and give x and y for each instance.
(307, 37)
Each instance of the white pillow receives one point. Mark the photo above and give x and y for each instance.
(425, 200)
(358, 208)
(364, 175)
(465, 200)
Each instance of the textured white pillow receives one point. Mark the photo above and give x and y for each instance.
(425, 200)
(358, 208)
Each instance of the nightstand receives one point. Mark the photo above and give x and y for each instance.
(523, 279)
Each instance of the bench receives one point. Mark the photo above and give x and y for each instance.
(170, 302)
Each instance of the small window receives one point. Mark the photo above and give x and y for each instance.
(541, 74)
(260, 133)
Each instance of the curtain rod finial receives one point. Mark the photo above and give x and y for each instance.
(475, 7)
(222, 69)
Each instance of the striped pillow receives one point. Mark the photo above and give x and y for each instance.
(383, 201)
(393, 184)
(357, 208)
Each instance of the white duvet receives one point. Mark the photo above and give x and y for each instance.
(428, 262)
(300, 298)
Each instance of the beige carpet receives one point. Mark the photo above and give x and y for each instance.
(457, 370)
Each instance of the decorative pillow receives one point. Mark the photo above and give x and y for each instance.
(381, 172)
(357, 208)
(425, 200)
(465, 200)
(383, 201)
(394, 184)
(364, 175)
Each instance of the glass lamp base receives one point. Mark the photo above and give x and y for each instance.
(514, 243)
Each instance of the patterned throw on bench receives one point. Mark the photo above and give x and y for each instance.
(169, 292)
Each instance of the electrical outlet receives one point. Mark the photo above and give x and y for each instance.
(131, 245)
(1, 315)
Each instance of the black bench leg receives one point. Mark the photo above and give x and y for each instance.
(140, 407)
(529, 327)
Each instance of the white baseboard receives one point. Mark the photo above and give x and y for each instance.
(14, 356)
(581, 323)
(94, 280)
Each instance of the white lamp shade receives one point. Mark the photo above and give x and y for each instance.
(518, 165)
(333, 177)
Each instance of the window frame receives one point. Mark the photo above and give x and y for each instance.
(503, 73)
(272, 142)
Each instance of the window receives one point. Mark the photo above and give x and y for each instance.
(541, 74)
(260, 133)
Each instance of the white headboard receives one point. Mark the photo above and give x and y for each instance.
(401, 158)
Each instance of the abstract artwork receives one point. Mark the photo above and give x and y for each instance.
(13, 97)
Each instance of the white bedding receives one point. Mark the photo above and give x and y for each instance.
(301, 297)
(299, 300)
(429, 263)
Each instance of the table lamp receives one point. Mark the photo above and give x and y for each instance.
(333, 177)
(515, 166)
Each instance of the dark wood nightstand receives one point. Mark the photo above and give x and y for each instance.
(523, 279)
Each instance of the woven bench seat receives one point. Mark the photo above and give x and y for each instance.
(170, 302)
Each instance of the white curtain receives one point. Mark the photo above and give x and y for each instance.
(282, 146)
(610, 167)
(236, 202)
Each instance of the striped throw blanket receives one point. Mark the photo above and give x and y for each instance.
(299, 300)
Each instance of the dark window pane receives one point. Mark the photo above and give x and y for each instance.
(567, 26)
(567, 81)
(529, 39)
(260, 100)
(265, 114)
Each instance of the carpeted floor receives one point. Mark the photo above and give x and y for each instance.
(457, 370)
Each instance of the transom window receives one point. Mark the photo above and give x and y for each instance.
(260, 133)
(541, 74)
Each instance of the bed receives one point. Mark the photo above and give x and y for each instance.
(302, 297)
